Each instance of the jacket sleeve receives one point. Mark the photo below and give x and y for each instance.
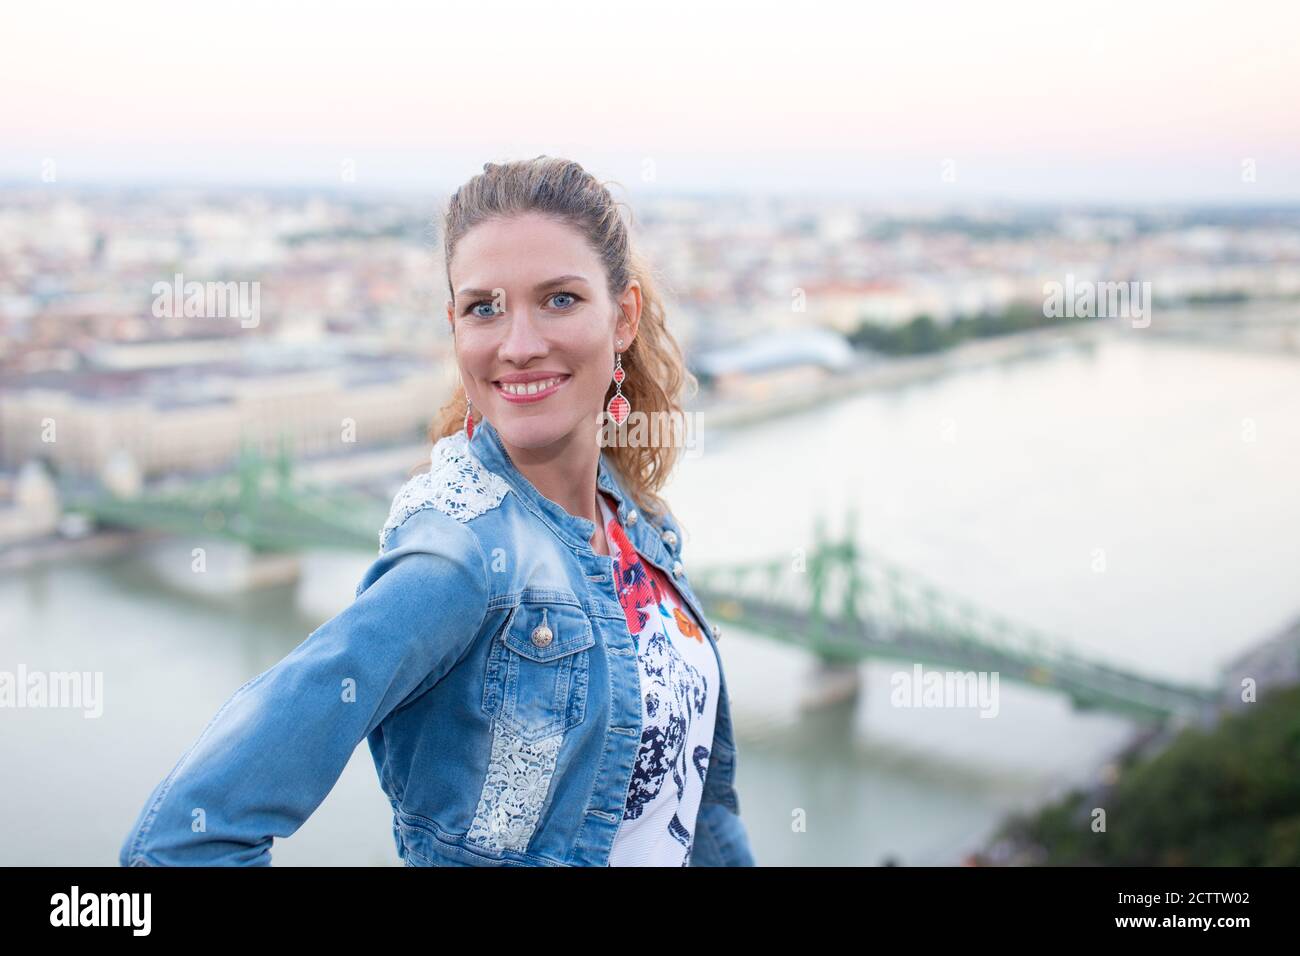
(720, 838)
(276, 747)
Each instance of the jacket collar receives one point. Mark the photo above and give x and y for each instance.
(490, 451)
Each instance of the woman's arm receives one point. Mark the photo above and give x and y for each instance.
(275, 749)
(720, 838)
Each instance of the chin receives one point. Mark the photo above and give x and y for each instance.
(533, 431)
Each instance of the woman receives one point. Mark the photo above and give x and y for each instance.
(535, 676)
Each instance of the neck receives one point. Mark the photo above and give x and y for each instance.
(564, 472)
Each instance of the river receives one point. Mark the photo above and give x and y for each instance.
(1137, 499)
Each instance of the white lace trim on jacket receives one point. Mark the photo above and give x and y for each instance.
(456, 484)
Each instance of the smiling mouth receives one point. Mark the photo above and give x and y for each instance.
(530, 391)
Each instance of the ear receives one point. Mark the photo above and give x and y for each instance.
(629, 317)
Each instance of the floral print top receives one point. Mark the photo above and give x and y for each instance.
(679, 678)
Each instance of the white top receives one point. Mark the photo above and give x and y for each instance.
(679, 701)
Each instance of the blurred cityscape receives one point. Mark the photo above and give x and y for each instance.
(771, 298)
(158, 342)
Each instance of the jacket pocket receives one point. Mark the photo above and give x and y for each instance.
(537, 668)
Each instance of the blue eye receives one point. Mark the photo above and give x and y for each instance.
(492, 310)
(480, 315)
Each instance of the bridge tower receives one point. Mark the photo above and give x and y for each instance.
(836, 679)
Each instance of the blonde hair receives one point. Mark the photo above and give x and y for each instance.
(655, 369)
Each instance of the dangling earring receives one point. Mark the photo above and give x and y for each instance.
(619, 406)
(469, 420)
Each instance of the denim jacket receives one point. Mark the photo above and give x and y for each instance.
(487, 660)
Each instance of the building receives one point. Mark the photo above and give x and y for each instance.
(776, 361)
(193, 418)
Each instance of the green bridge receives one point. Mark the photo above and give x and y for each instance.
(839, 600)
(260, 503)
(844, 602)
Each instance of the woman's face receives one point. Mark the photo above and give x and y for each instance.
(530, 309)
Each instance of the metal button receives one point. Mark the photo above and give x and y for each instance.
(541, 633)
(631, 516)
(677, 569)
(670, 539)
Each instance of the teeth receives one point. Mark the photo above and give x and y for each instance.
(531, 388)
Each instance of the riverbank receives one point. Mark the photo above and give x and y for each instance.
(1271, 327)
(52, 549)
(877, 373)
(1263, 679)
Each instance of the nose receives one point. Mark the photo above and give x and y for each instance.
(523, 340)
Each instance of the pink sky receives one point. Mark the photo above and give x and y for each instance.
(1149, 100)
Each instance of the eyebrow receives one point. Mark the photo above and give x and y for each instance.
(558, 280)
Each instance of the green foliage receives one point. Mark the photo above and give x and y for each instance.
(922, 334)
(1230, 797)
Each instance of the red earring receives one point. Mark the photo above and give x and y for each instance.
(469, 420)
(619, 406)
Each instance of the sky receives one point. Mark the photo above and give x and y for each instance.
(1124, 101)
